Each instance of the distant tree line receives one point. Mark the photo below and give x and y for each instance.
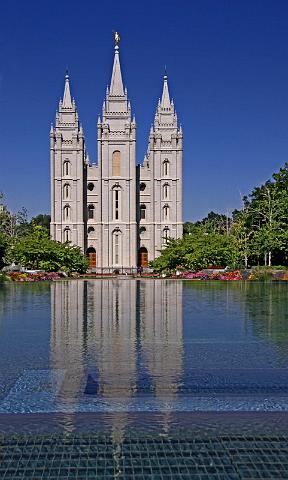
(255, 235)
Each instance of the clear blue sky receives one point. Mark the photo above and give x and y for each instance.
(227, 64)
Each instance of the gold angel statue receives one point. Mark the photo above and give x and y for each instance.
(116, 38)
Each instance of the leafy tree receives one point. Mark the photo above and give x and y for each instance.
(43, 220)
(188, 228)
(37, 251)
(196, 251)
(4, 241)
(215, 223)
(267, 208)
(13, 224)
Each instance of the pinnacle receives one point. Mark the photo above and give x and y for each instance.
(116, 87)
(67, 102)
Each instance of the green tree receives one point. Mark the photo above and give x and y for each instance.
(37, 251)
(268, 210)
(43, 220)
(196, 251)
(215, 223)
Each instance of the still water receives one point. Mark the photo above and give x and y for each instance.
(143, 346)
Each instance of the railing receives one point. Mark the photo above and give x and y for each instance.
(108, 271)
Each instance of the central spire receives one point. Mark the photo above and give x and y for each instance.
(116, 87)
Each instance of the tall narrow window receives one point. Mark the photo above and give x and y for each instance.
(166, 212)
(66, 168)
(166, 234)
(116, 164)
(67, 212)
(66, 191)
(116, 203)
(166, 191)
(166, 167)
(142, 212)
(91, 209)
(67, 235)
(116, 242)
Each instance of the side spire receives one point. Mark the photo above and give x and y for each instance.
(116, 87)
(165, 100)
(67, 101)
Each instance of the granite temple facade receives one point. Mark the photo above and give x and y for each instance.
(120, 213)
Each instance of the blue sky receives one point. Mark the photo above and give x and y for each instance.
(227, 64)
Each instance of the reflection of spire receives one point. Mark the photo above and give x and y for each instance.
(67, 347)
(161, 339)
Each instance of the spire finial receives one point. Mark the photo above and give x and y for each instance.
(165, 73)
(116, 39)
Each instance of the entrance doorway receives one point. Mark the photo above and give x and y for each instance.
(143, 257)
(91, 255)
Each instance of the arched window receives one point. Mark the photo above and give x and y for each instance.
(142, 212)
(66, 168)
(66, 191)
(165, 191)
(166, 212)
(90, 186)
(116, 242)
(91, 230)
(67, 235)
(142, 231)
(67, 212)
(166, 234)
(116, 202)
(116, 164)
(91, 209)
(142, 187)
(166, 167)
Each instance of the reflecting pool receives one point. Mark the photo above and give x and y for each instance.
(143, 346)
(143, 379)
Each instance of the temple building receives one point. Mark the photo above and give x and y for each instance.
(119, 213)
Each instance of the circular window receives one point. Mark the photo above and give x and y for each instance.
(91, 229)
(90, 186)
(142, 187)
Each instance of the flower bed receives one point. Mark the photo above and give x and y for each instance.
(34, 277)
(237, 275)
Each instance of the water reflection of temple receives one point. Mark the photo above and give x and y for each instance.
(126, 333)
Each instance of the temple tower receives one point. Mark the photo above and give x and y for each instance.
(160, 182)
(117, 170)
(68, 174)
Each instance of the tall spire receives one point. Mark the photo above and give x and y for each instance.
(116, 87)
(165, 101)
(67, 102)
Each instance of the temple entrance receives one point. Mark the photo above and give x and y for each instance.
(143, 257)
(91, 255)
